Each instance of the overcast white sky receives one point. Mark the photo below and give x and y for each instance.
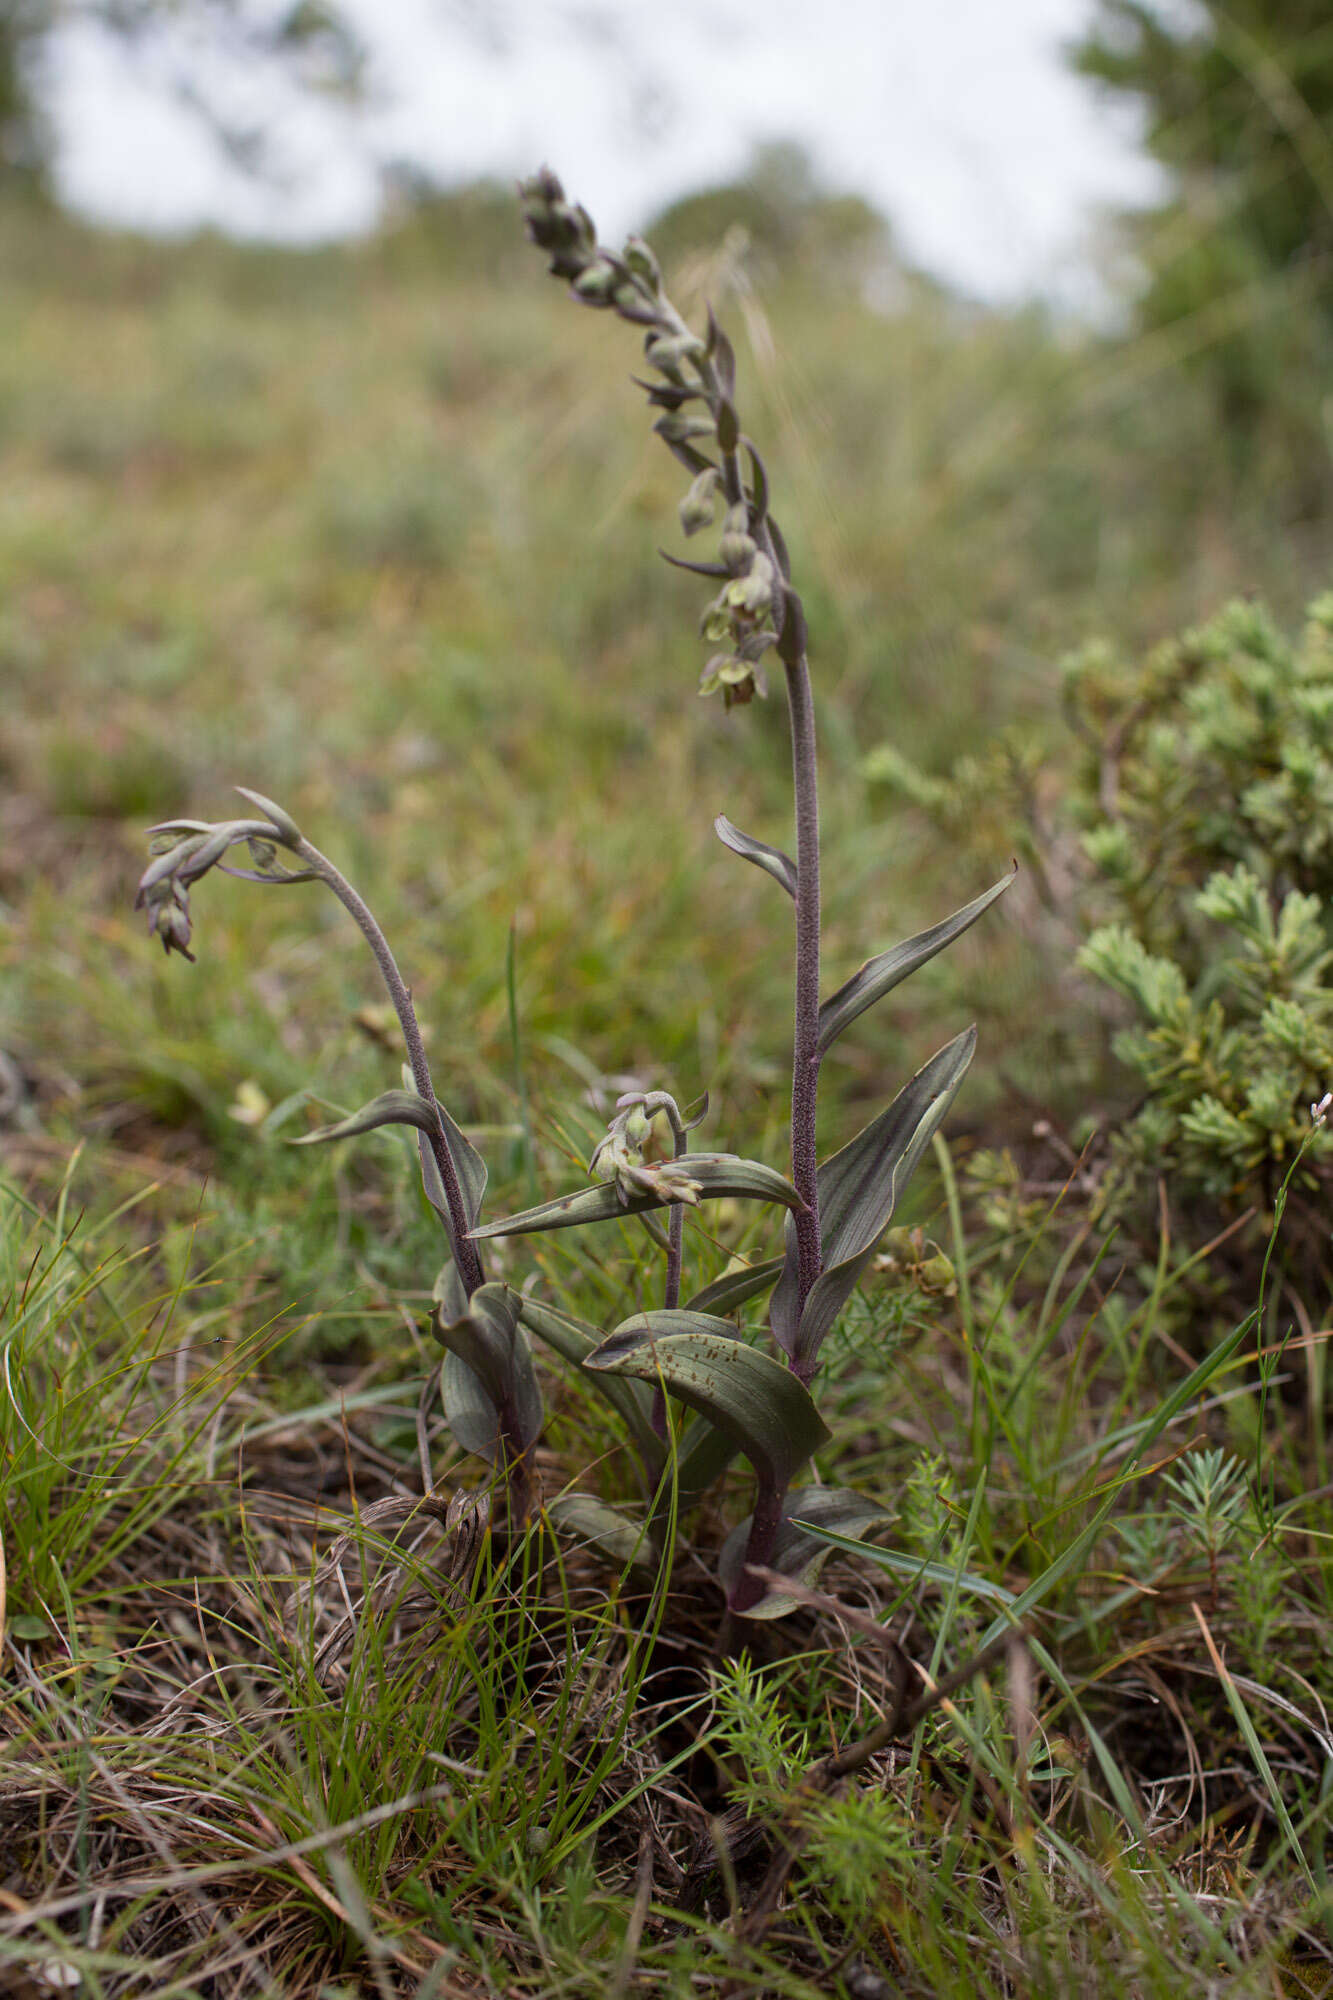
(958, 118)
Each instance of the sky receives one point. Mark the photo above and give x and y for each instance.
(960, 120)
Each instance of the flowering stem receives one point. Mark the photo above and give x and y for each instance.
(805, 1041)
(805, 776)
(466, 1255)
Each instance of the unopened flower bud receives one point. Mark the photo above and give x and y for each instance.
(737, 548)
(937, 1275)
(168, 906)
(596, 284)
(678, 428)
(667, 353)
(642, 262)
(636, 1126)
(699, 506)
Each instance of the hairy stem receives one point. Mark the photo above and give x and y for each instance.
(671, 1289)
(466, 1255)
(805, 1040)
(805, 776)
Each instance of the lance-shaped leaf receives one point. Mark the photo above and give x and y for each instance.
(578, 1517)
(797, 1552)
(468, 1165)
(705, 1453)
(879, 976)
(391, 1107)
(749, 1396)
(771, 859)
(574, 1340)
(489, 1384)
(859, 1188)
(915, 1569)
(716, 1174)
(735, 1288)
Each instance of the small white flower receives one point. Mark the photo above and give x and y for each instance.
(1319, 1112)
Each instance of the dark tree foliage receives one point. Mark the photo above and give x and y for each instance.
(307, 38)
(1237, 100)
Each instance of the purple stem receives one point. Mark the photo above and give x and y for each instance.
(764, 1525)
(466, 1255)
(671, 1289)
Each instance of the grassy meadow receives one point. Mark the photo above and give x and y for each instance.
(373, 531)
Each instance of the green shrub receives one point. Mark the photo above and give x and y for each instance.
(1181, 826)
(1204, 796)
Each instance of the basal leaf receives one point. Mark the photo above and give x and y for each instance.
(880, 975)
(472, 1415)
(748, 1395)
(771, 859)
(574, 1340)
(797, 1552)
(578, 1517)
(716, 1173)
(704, 1454)
(735, 1288)
(491, 1345)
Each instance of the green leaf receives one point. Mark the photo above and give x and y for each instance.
(574, 1340)
(488, 1380)
(798, 1552)
(749, 1396)
(735, 1288)
(472, 1414)
(771, 859)
(716, 1173)
(468, 1165)
(898, 1564)
(859, 1188)
(578, 1517)
(703, 1455)
(879, 976)
(391, 1107)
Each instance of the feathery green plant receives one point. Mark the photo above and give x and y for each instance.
(743, 1400)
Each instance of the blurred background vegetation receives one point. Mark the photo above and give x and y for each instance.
(371, 526)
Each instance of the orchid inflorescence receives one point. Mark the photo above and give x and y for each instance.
(740, 1399)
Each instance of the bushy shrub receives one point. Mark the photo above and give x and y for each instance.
(1182, 827)
(1204, 795)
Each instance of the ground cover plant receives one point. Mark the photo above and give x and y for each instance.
(288, 1716)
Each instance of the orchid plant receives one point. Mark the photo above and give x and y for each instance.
(734, 1397)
